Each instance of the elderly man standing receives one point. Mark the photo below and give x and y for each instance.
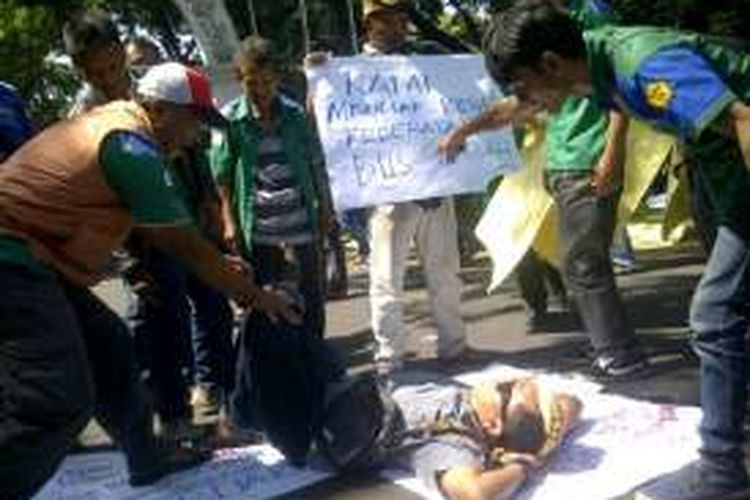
(431, 223)
(67, 199)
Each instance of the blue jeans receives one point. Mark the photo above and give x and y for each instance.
(188, 328)
(719, 319)
(63, 356)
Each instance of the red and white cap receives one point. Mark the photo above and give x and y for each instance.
(179, 84)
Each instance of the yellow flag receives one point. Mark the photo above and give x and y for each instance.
(521, 214)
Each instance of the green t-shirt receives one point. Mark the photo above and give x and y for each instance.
(576, 134)
(136, 169)
(681, 83)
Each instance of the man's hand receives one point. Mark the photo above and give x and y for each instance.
(528, 460)
(606, 177)
(275, 306)
(451, 145)
(142, 284)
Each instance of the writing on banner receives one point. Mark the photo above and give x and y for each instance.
(380, 119)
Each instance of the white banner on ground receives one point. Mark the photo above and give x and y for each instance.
(213, 28)
(252, 472)
(380, 119)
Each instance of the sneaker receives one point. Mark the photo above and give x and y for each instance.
(172, 459)
(205, 402)
(611, 367)
(693, 483)
(625, 263)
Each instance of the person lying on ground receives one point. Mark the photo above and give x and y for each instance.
(482, 442)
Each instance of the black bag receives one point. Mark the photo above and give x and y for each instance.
(282, 374)
(361, 425)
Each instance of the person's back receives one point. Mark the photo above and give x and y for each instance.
(75, 227)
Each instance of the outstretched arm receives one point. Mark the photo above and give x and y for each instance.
(227, 274)
(500, 114)
(472, 483)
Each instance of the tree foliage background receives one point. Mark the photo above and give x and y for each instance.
(30, 30)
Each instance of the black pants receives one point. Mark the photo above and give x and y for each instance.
(533, 274)
(188, 328)
(587, 223)
(63, 356)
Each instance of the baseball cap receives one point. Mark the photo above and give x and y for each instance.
(373, 6)
(179, 84)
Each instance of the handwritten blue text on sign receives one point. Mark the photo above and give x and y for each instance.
(380, 119)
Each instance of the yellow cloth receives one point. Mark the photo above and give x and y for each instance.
(521, 214)
(515, 213)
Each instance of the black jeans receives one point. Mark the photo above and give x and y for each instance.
(533, 275)
(63, 356)
(188, 328)
(587, 223)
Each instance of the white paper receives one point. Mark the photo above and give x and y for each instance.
(380, 119)
(252, 472)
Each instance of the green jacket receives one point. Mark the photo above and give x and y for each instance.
(234, 157)
(681, 83)
(577, 133)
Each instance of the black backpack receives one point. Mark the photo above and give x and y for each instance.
(361, 424)
(283, 372)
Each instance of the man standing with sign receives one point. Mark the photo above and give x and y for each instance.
(431, 223)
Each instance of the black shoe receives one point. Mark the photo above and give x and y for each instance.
(536, 321)
(616, 368)
(176, 459)
(693, 483)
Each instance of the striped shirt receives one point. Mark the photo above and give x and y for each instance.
(280, 213)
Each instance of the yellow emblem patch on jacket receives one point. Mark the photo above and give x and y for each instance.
(659, 94)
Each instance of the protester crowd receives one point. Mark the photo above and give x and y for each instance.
(220, 224)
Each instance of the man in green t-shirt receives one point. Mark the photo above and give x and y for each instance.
(699, 90)
(585, 153)
(65, 204)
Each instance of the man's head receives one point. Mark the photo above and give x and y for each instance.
(142, 53)
(510, 415)
(178, 101)
(260, 69)
(536, 50)
(93, 43)
(386, 22)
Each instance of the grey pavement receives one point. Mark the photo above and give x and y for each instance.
(657, 297)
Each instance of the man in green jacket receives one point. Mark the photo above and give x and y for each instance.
(272, 184)
(585, 154)
(698, 90)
